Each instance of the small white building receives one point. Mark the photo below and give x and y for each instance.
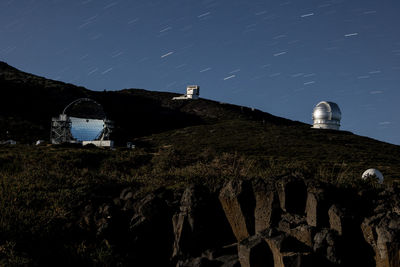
(192, 92)
(327, 115)
(99, 143)
(39, 142)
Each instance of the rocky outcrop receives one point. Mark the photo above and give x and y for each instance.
(237, 200)
(317, 206)
(266, 211)
(137, 227)
(382, 230)
(288, 221)
(292, 194)
(200, 223)
(254, 251)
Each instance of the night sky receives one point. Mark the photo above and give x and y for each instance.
(282, 57)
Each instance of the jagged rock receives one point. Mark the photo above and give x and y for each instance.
(288, 251)
(291, 220)
(317, 206)
(292, 194)
(151, 232)
(228, 261)
(295, 226)
(325, 243)
(254, 251)
(267, 209)
(383, 234)
(303, 233)
(200, 224)
(238, 202)
(274, 248)
(272, 229)
(338, 219)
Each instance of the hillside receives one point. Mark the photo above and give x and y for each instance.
(153, 120)
(28, 102)
(196, 190)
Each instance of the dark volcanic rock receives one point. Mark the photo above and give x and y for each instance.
(382, 232)
(339, 219)
(267, 209)
(317, 206)
(288, 222)
(254, 251)
(325, 243)
(292, 193)
(238, 202)
(200, 224)
(151, 232)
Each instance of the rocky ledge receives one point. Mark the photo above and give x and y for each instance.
(288, 221)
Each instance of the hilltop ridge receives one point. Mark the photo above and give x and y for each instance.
(34, 100)
(207, 184)
(152, 119)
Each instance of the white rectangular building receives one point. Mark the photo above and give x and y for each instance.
(99, 143)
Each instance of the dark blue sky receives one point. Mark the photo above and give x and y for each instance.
(282, 57)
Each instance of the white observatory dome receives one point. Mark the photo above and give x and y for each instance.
(327, 115)
(373, 173)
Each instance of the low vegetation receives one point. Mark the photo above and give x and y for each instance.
(43, 189)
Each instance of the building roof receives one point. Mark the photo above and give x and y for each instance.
(326, 110)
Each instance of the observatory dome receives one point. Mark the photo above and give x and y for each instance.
(373, 173)
(327, 115)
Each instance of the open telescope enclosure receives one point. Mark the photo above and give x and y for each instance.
(82, 120)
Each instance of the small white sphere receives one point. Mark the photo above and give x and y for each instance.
(373, 173)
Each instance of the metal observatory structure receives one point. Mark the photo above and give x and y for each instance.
(82, 121)
(192, 92)
(326, 115)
